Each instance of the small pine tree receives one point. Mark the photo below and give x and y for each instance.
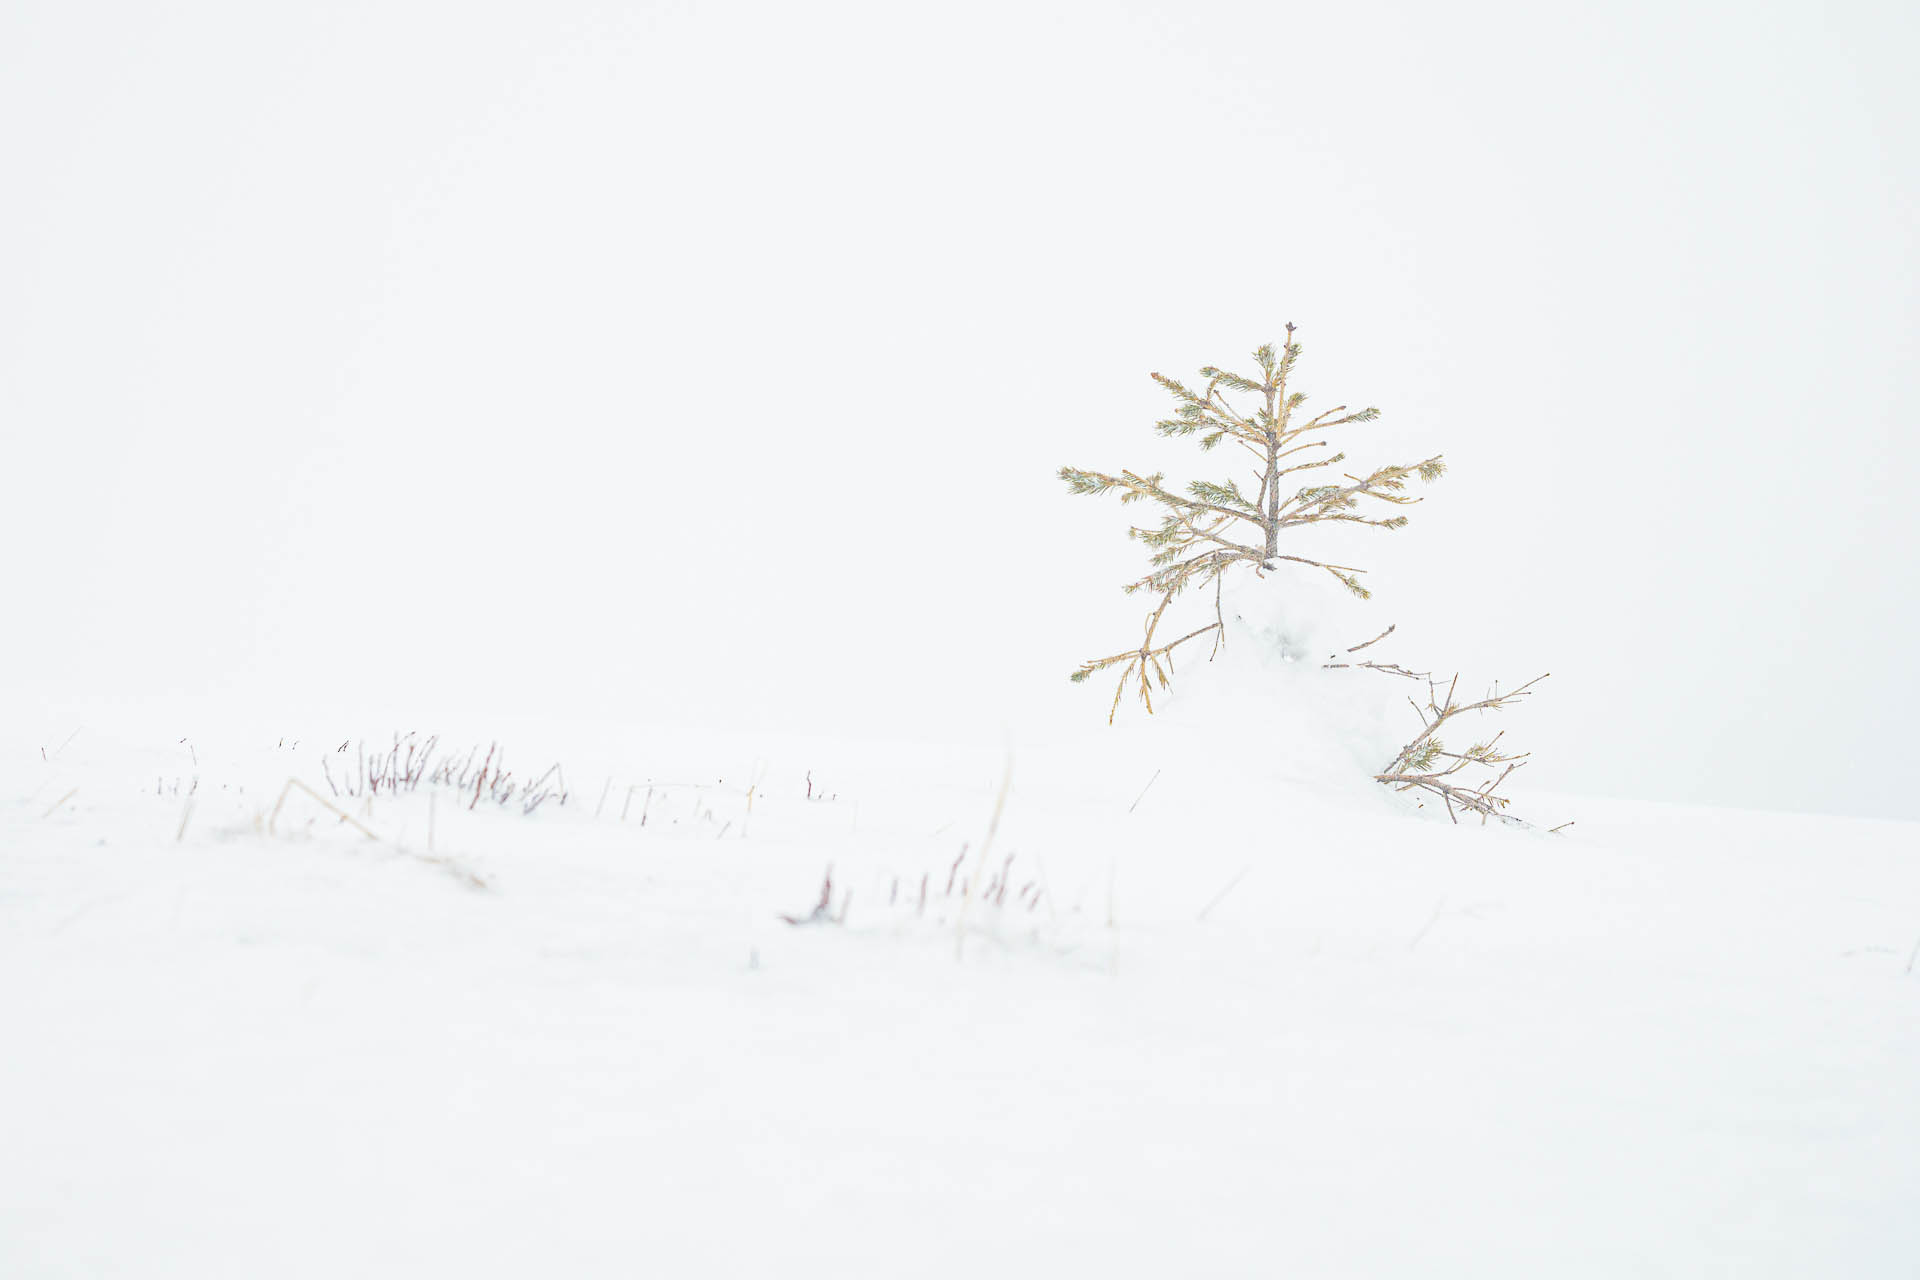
(1218, 525)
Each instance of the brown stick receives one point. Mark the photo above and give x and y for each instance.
(1376, 640)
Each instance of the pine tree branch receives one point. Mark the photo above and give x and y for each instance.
(1330, 568)
(1214, 537)
(1097, 482)
(1227, 411)
(1143, 663)
(1325, 502)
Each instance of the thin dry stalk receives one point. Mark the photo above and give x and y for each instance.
(471, 879)
(1386, 668)
(986, 845)
(441, 862)
(822, 912)
(1046, 889)
(1439, 909)
(1221, 896)
(320, 800)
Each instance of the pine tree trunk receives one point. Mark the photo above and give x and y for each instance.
(1273, 477)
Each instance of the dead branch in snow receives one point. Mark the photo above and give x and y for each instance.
(1425, 763)
(1464, 780)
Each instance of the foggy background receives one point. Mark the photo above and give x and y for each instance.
(673, 363)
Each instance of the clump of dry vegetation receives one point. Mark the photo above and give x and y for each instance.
(410, 760)
(993, 884)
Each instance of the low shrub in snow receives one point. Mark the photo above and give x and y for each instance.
(1213, 528)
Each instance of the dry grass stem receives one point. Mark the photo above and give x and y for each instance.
(1220, 897)
(986, 845)
(322, 801)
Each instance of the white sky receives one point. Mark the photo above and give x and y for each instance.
(663, 361)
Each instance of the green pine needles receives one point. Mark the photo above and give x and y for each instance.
(1211, 527)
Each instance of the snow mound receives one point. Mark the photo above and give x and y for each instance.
(1266, 696)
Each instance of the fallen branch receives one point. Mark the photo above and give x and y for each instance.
(1425, 764)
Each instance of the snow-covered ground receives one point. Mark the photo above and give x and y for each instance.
(704, 372)
(1209, 1020)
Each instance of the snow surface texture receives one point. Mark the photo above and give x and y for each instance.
(1265, 689)
(1213, 1018)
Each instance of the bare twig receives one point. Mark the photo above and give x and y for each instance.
(1425, 764)
(1218, 897)
(472, 879)
(1376, 640)
(1439, 908)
